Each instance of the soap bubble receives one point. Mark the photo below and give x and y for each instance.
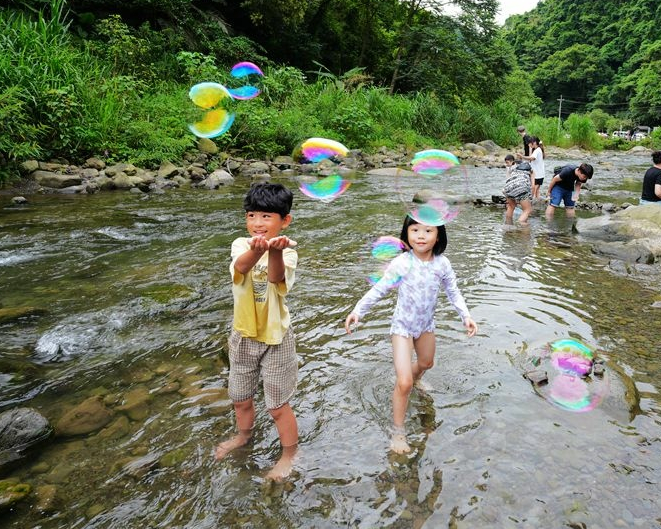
(326, 189)
(245, 70)
(387, 263)
(434, 212)
(317, 149)
(219, 119)
(433, 162)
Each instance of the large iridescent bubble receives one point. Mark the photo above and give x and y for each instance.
(572, 384)
(433, 212)
(326, 189)
(571, 357)
(433, 162)
(245, 71)
(215, 99)
(318, 149)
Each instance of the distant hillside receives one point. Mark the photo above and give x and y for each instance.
(594, 53)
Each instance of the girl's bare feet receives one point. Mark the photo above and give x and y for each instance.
(423, 385)
(226, 447)
(398, 444)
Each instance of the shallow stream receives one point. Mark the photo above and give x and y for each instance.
(130, 295)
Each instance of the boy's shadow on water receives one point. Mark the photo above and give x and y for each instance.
(411, 484)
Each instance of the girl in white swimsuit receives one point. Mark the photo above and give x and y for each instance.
(420, 272)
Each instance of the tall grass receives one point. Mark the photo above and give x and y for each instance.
(61, 97)
(582, 131)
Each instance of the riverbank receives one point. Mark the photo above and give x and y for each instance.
(633, 238)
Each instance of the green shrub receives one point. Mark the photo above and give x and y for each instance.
(582, 132)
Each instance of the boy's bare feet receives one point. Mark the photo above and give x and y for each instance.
(226, 447)
(283, 467)
(398, 444)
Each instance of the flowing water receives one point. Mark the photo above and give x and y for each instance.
(127, 298)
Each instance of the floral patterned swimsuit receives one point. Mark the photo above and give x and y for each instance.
(418, 283)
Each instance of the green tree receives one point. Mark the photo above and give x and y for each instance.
(575, 73)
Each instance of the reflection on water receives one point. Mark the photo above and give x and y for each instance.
(126, 299)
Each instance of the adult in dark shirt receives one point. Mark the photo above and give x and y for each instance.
(526, 139)
(652, 182)
(565, 186)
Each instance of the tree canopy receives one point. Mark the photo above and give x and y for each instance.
(596, 54)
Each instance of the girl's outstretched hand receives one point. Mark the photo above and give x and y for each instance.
(471, 326)
(351, 319)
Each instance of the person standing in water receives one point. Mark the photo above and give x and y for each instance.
(262, 343)
(422, 270)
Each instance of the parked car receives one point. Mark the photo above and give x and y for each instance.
(621, 134)
(638, 136)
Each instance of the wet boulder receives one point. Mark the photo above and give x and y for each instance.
(88, 416)
(632, 235)
(21, 429)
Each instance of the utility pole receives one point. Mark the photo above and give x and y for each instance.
(559, 113)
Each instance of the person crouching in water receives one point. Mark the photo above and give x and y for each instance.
(518, 190)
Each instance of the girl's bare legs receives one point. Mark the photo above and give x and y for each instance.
(407, 373)
(425, 350)
(285, 422)
(526, 208)
(245, 419)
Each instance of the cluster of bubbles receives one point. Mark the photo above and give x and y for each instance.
(215, 99)
(569, 389)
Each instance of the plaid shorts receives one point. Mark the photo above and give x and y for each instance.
(277, 364)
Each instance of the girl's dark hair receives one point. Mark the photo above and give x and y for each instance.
(441, 241)
(270, 198)
(539, 143)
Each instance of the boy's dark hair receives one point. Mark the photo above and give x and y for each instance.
(441, 242)
(656, 157)
(509, 158)
(271, 198)
(586, 169)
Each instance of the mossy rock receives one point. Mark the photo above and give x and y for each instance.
(12, 492)
(16, 313)
(165, 294)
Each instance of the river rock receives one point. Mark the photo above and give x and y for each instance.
(136, 403)
(46, 498)
(217, 179)
(29, 166)
(56, 180)
(12, 492)
(19, 200)
(89, 173)
(20, 429)
(89, 416)
(207, 146)
(633, 234)
(255, 168)
(16, 313)
(95, 163)
(123, 181)
(117, 429)
(167, 170)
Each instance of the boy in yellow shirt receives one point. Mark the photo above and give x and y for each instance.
(262, 341)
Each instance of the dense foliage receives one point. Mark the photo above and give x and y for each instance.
(92, 77)
(595, 54)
